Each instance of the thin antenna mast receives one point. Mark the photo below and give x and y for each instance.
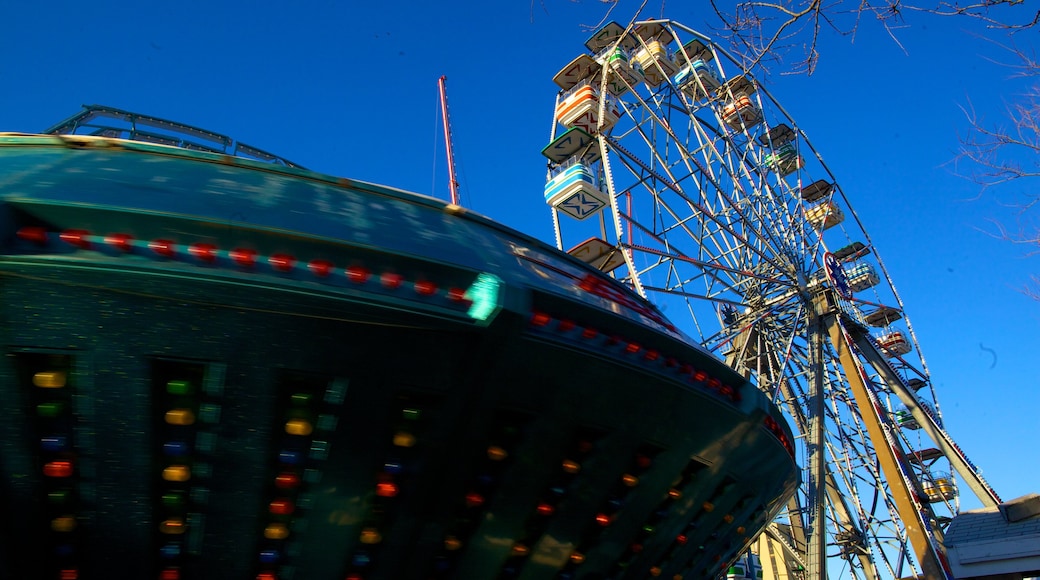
(452, 181)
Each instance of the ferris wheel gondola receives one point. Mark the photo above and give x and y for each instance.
(677, 172)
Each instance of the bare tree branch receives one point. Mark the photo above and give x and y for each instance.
(982, 11)
(761, 30)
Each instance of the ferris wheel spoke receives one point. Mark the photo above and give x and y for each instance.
(702, 211)
(713, 269)
(665, 236)
(712, 178)
(773, 221)
(777, 217)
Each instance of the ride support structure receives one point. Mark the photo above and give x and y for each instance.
(917, 515)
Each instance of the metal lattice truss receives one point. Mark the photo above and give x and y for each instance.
(714, 205)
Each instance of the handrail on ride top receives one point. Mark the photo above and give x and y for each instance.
(173, 133)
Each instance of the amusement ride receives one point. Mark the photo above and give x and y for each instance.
(677, 172)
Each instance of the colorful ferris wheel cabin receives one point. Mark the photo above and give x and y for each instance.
(941, 487)
(697, 80)
(785, 160)
(905, 419)
(893, 343)
(862, 276)
(654, 60)
(580, 108)
(573, 190)
(740, 113)
(824, 215)
(620, 74)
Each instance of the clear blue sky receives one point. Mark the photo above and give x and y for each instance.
(350, 89)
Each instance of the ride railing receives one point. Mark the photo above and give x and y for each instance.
(101, 121)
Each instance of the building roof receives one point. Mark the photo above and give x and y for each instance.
(996, 540)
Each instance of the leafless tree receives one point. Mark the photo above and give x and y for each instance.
(764, 32)
(1007, 151)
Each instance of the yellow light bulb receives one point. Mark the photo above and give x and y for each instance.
(63, 524)
(496, 453)
(404, 439)
(172, 526)
(177, 473)
(49, 379)
(371, 536)
(276, 532)
(298, 427)
(180, 417)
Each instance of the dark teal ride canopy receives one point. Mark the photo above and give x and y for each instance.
(221, 368)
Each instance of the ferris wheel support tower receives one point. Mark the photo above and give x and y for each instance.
(926, 541)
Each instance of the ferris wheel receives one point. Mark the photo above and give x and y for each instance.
(678, 173)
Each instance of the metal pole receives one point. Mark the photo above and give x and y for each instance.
(453, 183)
(816, 562)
